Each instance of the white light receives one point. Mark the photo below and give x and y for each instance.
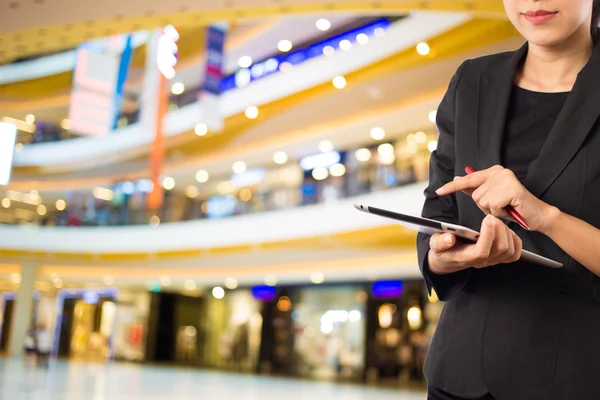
(325, 146)
(168, 183)
(201, 129)
(109, 280)
(171, 32)
(423, 49)
(218, 292)
(258, 70)
(245, 61)
(386, 153)
(354, 316)
(103, 194)
(202, 176)
(323, 24)
(414, 316)
(328, 51)
(339, 82)
(154, 221)
(30, 118)
(231, 283)
(251, 112)
(433, 116)
(192, 191)
(377, 133)
(15, 279)
(189, 285)
(320, 173)
(337, 170)
(379, 32)
(363, 155)
(320, 160)
(317, 278)
(243, 78)
(271, 65)
(58, 283)
(177, 88)
(8, 136)
(280, 157)
(33, 193)
(270, 280)
(420, 137)
(239, 167)
(326, 328)
(285, 67)
(5, 202)
(41, 210)
(165, 280)
(65, 124)
(60, 204)
(362, 38)
(432, 146)
(284, 46)
(346, 45)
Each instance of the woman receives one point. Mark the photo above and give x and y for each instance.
(528, 121)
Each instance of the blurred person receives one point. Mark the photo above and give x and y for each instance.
(44, 346)
(30, 349)
(509, 329)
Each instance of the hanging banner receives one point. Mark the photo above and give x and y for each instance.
(213, 75)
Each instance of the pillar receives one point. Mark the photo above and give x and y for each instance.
(22, 311)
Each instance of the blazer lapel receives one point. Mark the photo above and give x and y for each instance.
(574, 123)
(495, 89)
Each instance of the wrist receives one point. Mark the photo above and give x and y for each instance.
(552, 218)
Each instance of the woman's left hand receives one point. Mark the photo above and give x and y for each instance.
(497, 187)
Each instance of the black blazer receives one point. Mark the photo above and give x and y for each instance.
(518, 331)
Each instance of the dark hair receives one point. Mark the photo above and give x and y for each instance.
(595, 19)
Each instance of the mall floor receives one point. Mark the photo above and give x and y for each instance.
(80, 381)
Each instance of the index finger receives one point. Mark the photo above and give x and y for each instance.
(463, 183)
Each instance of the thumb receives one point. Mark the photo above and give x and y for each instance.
(445, 242)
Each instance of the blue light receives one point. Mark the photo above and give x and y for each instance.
(387, 289)
(264, 293)
(91, 297)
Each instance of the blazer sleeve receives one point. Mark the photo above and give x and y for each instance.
(441, 171)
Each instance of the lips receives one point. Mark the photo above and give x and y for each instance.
(539, 16)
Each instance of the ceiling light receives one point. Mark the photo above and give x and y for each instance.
(168, 183)
(103, 194)
(328, 51)
(379, 32)
(280, 157)
(33, 193)
(239, 167)
(60, 204)
(30, 118)
(245, 61)
(285, 67)
(385, 150)
(202, 176)
(245, 194)
(423, 49)
(189, 285)
(284, 46)
(251, 112)
(201, 129)
(337, 170)
(362, 38)
(65, 124)
(15, 279)
(433, 116)
(154, 221)
(432, 146)
(177, 88)
(218, 292)
(323, 24)
(231, 283)
(377, 133)
(5, 202)
(165, 280)
(58, 283)
(339, 82)
(270, 280)
(192, 191)
(317, 278)
(420, 137)
(346, 45)
(411, 138)
(363, 155)
(109, 280)
(325, 146)
(320, 173)
(41, 210)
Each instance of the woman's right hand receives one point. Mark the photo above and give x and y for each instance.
(497, 244)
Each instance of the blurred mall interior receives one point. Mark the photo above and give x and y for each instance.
(176, 190)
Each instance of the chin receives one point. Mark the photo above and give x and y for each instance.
(544, 39)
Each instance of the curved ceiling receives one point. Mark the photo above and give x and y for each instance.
(48, 26)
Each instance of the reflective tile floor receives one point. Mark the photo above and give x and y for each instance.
(78, 381)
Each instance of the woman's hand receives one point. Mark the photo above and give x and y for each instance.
(497, 244)
(495, 188)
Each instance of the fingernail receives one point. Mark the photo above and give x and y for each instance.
(447, 239)
(488, 221)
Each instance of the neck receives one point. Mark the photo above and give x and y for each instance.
(555, 68)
